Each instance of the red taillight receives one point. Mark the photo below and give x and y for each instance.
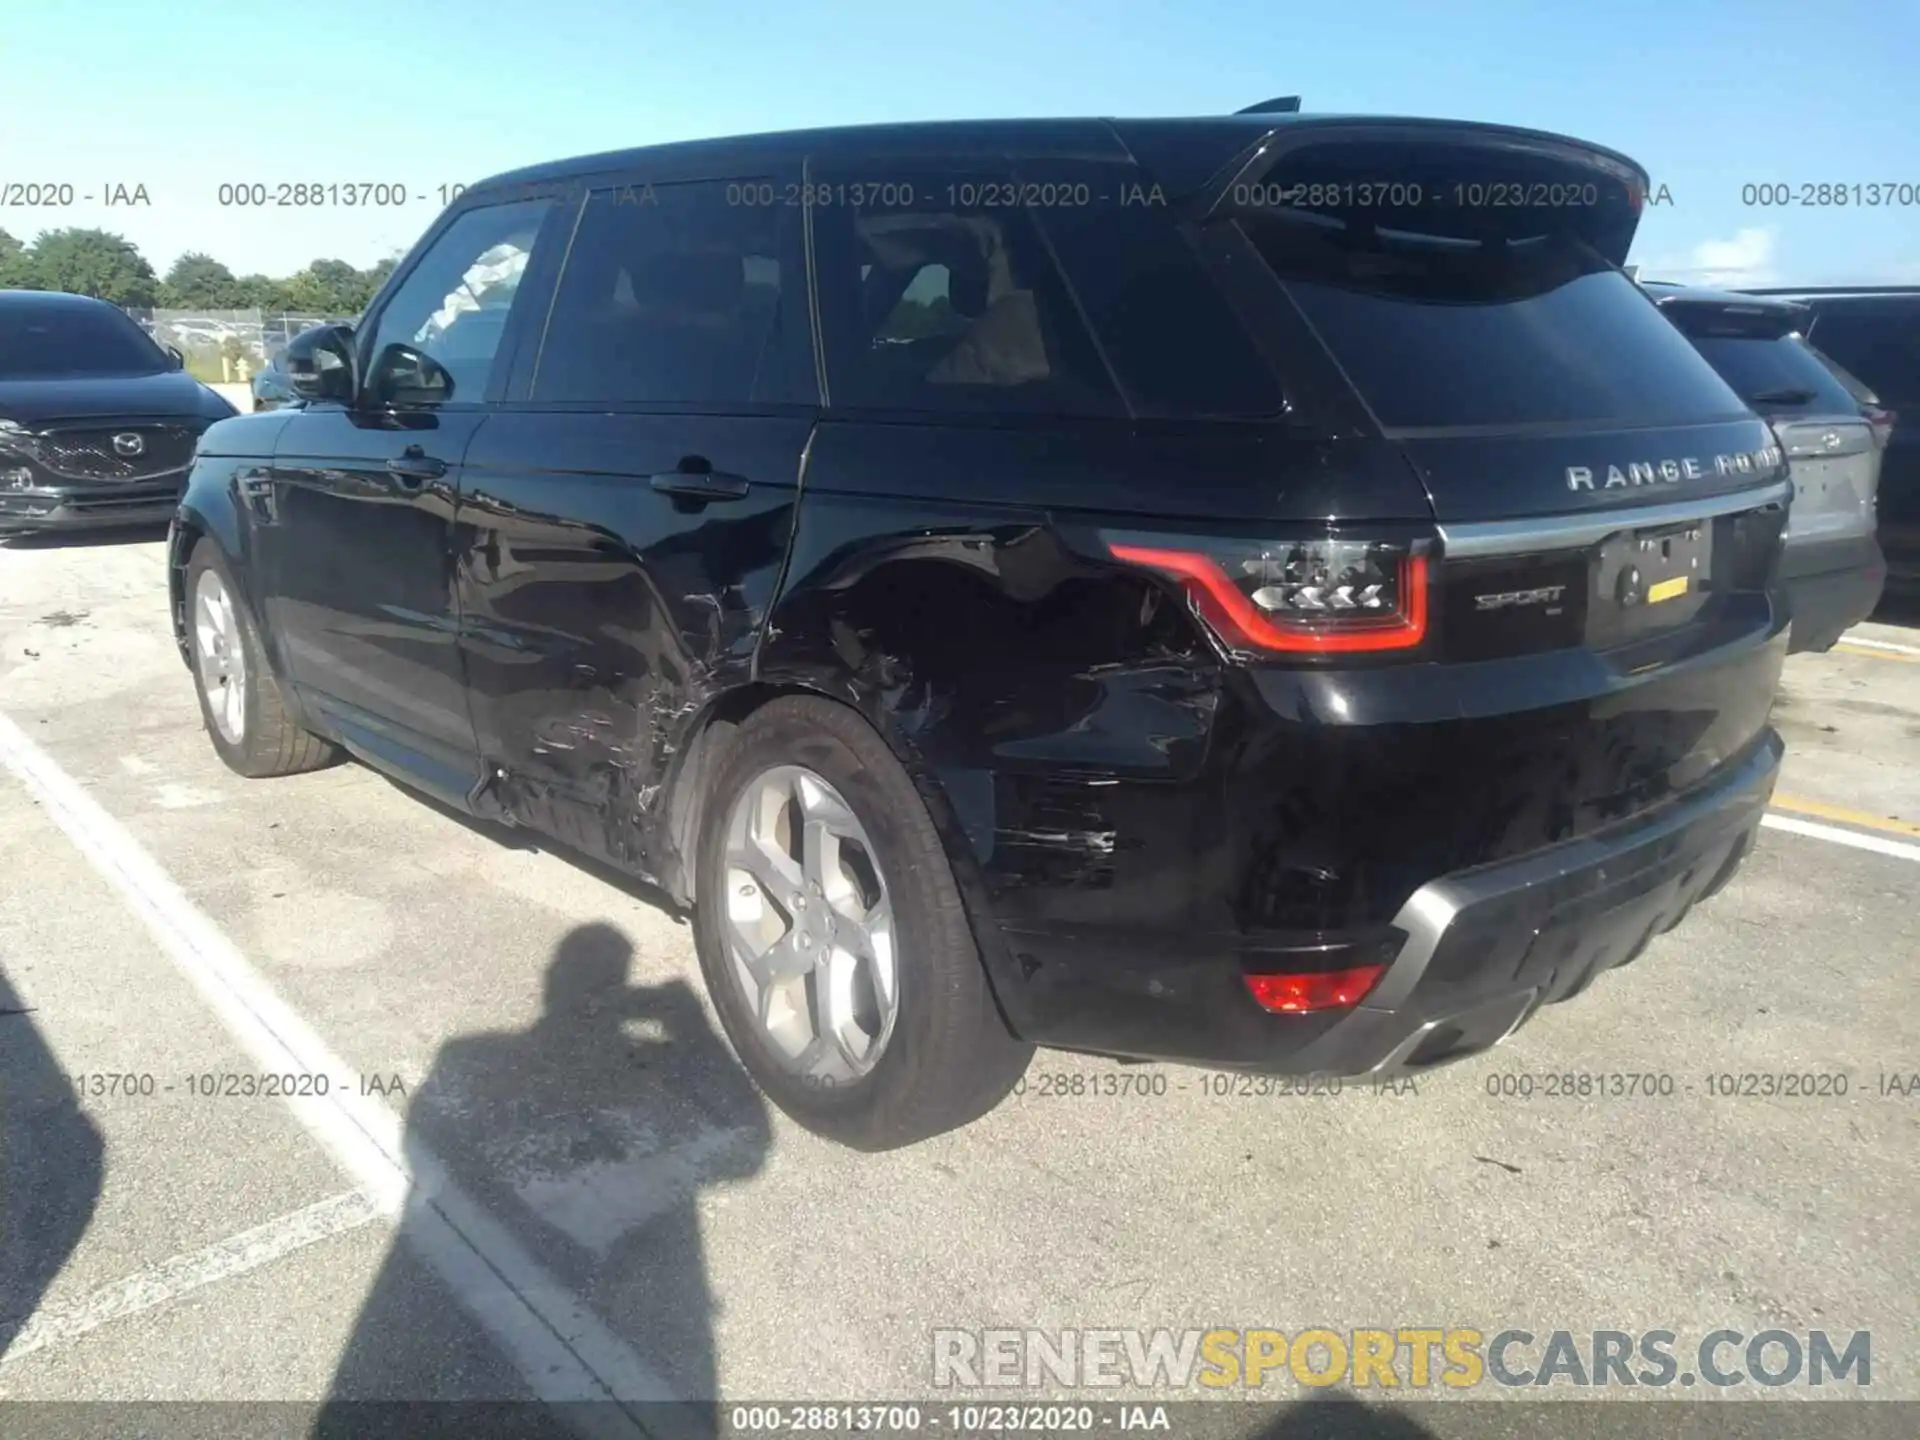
(1323, 597)
(1302, 994)
(1880, 418)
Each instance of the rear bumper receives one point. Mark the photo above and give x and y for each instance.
(1475, 953)
(90, 507)
(1832, 585)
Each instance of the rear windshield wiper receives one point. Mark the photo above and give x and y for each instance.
(1786, 395)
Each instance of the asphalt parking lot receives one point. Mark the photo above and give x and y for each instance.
(599, 1199)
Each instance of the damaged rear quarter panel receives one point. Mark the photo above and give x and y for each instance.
(1058, 714)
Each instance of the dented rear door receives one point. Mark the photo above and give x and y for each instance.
(621, 530)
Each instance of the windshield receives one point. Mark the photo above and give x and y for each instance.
(66, 339)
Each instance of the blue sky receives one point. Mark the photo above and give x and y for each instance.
(1709, 95)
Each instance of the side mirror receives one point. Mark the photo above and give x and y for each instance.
(406, 377)
(179, 360)
(319, 364)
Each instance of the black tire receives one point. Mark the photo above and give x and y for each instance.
(270, 742)
(951, 1057)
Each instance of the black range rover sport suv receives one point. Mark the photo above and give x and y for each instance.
(1260, 591)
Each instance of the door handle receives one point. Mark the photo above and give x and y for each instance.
(413, 467)
(700, 484)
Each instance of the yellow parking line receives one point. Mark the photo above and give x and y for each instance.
(1795, 805)
(1875, 652)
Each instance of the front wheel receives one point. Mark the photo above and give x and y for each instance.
(833, 939)
(240, 701)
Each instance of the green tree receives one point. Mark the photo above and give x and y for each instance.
(259, 292)
(305, 293)
(17, 270)
(338, 281)
(199, 282)
(96, 263)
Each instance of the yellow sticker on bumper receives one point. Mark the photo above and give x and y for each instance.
(1666, 589)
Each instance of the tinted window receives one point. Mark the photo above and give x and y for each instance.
(949, 301)
(1441, 331)
(1172, 337)
(1775, 374)
(69, 339)
(1850, 382)
(1879, 342)
(453, 307)
(671, 294)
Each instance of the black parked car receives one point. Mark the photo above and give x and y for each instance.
(1833, 567)
(97, 422)
(1874, 332)
(1220, 590)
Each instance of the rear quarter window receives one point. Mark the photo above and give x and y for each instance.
(1173, 339)
(1879, 342)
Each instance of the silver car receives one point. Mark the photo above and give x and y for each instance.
(1833, 566)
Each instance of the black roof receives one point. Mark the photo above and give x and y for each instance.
(1183, 153)
(50, 298)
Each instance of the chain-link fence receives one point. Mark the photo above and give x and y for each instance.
(226, 346)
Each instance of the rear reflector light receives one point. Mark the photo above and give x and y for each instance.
(1308, 597)
(1302, 994)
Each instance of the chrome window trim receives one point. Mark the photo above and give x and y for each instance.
(1572, 532)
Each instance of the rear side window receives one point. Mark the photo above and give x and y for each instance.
(1878, 342)
(938, 294)
(1439, 331)
(671, 294)
(1850, 382)
(1775, 374)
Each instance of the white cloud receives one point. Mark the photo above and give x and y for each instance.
(1744, 260)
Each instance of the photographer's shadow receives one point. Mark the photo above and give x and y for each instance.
(588, 1135)
(52, 1167)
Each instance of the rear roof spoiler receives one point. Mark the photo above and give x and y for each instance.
(1280, 105)
(1259, 159)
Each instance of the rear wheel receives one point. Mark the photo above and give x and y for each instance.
(240, 701)
(833, 939)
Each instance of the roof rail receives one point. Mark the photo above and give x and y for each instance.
(1280, 105)
(1830, 290)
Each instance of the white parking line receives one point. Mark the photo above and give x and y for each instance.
(1894, 646)
(562, 1350)
(1833, 833)
(170, 1279)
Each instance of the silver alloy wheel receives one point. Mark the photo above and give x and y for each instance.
(809, 926)
(222, 659)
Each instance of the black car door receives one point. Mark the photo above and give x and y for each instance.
(623, 516)
(354, 541)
